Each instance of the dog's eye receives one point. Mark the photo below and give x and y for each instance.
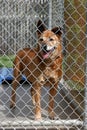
(51, 39)
(41, 39)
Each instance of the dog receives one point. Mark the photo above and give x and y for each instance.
(42, 66)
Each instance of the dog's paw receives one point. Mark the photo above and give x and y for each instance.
(38, 116)
(12, 106)
(52, 115)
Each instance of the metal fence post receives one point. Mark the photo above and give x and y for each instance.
(85, 120)
(50, 14)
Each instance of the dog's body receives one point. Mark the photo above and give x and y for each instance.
(41, 66)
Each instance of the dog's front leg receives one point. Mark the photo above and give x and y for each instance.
(52, 94)
(37, 96)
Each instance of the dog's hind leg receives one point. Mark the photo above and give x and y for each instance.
(15, 83)
(13, 94)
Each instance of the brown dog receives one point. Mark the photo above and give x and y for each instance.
(41, 66)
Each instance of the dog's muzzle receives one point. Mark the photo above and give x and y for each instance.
(46, 51)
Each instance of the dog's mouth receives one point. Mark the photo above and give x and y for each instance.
(46, 52)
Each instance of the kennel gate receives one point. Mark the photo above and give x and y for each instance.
(18, 30)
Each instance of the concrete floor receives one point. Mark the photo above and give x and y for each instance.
(25, 110)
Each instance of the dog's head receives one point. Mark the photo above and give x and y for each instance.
(49, 41)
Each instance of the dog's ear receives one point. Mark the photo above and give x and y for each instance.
(40, 28)
(57, 31)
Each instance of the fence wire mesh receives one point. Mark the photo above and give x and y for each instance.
(18, 27)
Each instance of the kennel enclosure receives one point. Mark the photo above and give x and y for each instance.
(18, 21)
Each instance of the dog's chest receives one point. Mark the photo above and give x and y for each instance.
(47, 74)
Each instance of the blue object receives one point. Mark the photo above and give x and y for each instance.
(7, 74)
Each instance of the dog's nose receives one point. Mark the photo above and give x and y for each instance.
(44, 47)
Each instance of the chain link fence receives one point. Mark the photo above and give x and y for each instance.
(18, 26)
